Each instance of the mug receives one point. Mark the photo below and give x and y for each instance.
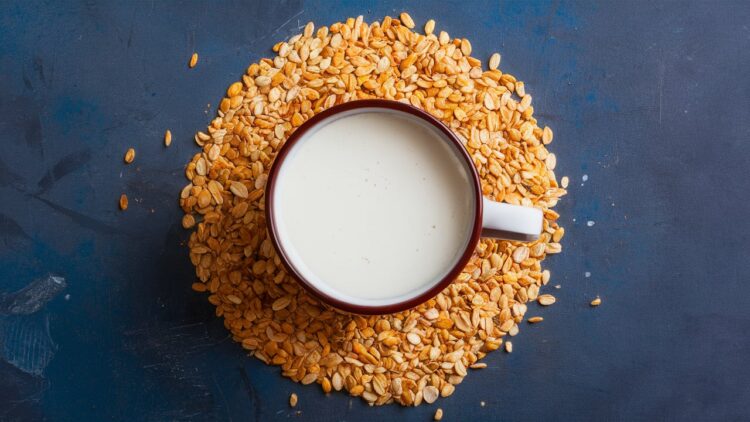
(486, 218)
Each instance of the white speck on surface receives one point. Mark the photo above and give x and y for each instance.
(481, 403)
(557, 286)
(613, 204)
(585, 177)
(574, 220)
(590, 223)
(67, 297)
(587, 274)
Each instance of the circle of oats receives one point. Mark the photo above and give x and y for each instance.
(389, 358)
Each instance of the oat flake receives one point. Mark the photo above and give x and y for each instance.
(382, 359)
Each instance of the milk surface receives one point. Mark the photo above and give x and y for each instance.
(374, 206)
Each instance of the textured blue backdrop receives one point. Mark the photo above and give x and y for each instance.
(650, 100)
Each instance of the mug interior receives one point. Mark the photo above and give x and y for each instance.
(296, 262)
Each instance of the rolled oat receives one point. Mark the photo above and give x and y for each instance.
(406, 357)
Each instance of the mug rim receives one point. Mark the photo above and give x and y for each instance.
(401, 305)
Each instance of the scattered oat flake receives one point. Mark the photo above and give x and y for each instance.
(494, 61)
(407, 20)
(309, 28)
(429, 27)
(547, 135)
(168, 138)
(509, 347)
(123, 202)
(534, 320)
(193, 60)
(546, 300)
(596, 302)
(188, 221)
(466, 47)
(438, 414)
(129, 155)
(293, 400)
(590, 223)
(443, 38)
(564, 182)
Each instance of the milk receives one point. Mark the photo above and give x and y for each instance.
(373, 206)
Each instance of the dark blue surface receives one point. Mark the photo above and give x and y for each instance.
(651, 100)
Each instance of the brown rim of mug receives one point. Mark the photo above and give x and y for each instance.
(392, 307)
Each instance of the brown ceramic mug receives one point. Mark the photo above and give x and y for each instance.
(375, 206)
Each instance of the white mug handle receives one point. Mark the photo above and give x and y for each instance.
(511, 222)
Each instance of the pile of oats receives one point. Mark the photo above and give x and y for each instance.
(414, 356)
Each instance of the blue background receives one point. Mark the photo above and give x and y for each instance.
(650, 99)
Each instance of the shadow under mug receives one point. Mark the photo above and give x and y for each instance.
(490, 219)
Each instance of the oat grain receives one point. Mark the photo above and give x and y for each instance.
(407, 357)
(546, 300)
(406, 20)
(494, 61)
(534, 320)
(129, 155)
(429, 27)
